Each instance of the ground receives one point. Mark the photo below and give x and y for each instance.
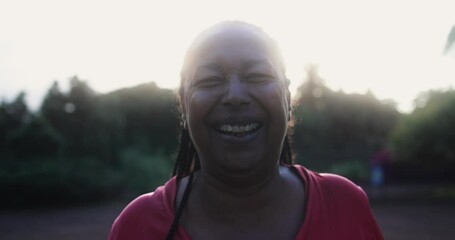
(416, 221)
(397, 220)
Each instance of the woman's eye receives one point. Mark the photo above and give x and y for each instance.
(209, 82)
(258, 78)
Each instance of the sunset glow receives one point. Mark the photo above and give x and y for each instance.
(393, 49)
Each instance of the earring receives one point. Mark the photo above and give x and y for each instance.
(290, 113)
(183, 121)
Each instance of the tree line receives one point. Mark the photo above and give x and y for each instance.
(83, 146)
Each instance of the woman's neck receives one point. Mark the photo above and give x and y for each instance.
(257, 210)
(233, 197)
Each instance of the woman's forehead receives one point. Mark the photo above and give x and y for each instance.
(243, 45)
(230, 32)
(241, 64)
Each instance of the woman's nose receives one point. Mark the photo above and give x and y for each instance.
(236, 93)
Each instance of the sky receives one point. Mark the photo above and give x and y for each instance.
(392, 48)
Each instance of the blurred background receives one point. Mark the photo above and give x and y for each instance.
(89, 114)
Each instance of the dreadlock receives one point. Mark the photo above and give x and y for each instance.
(187, 158)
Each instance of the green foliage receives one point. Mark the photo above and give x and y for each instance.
(12, 117)
(101, 125)
(426, 137)
(143, 113)
(143, 172)
(333, 127)
(357, 171)
(35, 138)
(71, 115)
(51, 181)
(83, 146)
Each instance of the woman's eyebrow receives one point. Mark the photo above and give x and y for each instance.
(210, 66)
(250, 63)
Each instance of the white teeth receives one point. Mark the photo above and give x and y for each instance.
(238, 128)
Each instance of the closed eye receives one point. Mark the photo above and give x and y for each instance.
(209, 82)
(258, 77)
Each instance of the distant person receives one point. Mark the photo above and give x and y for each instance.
(234, 177)
(378, 162)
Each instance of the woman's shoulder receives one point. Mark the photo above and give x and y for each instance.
(339, 184)
(335, 192)
(329, 183)
(338, 204)
(148, 215)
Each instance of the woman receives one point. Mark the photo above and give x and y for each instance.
(234, 175)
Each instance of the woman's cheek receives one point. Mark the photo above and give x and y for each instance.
(200, 98)
(274, 94)
(199, 104)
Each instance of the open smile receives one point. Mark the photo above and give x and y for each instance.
(238, 129)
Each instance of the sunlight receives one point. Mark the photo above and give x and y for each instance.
(369, 46)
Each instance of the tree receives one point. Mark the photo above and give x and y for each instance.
(86, 144)
(53, 107)
(34, 139)
(142, 114)
(13, 115)
(71, 115)
(334, 127)
(425, 139)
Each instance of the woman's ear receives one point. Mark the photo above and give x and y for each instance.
(182, 94)
(288, 99)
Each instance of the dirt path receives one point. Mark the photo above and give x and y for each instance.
(78, 223)
(416, 221)
(398, 221)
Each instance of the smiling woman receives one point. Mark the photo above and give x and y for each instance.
(234, 174)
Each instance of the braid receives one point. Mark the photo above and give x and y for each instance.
(287, 153)
(187, 161)
(178, 214)
(187, 158)
(182, 154)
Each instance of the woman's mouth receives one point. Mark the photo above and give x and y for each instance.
(238, 130)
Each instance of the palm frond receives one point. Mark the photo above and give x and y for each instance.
(450, 40)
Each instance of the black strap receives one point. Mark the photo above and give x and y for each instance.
(179, 212)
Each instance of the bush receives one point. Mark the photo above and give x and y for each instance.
(51, 181)
(354, 170)
(142, 172)
(425, 139)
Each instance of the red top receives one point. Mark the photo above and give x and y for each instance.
(336, 208)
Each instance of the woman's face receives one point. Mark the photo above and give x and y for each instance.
(235, 102)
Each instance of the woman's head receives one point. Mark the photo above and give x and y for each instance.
(235, 101)
(219, 30)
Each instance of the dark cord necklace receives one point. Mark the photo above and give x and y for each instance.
(179, 212)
